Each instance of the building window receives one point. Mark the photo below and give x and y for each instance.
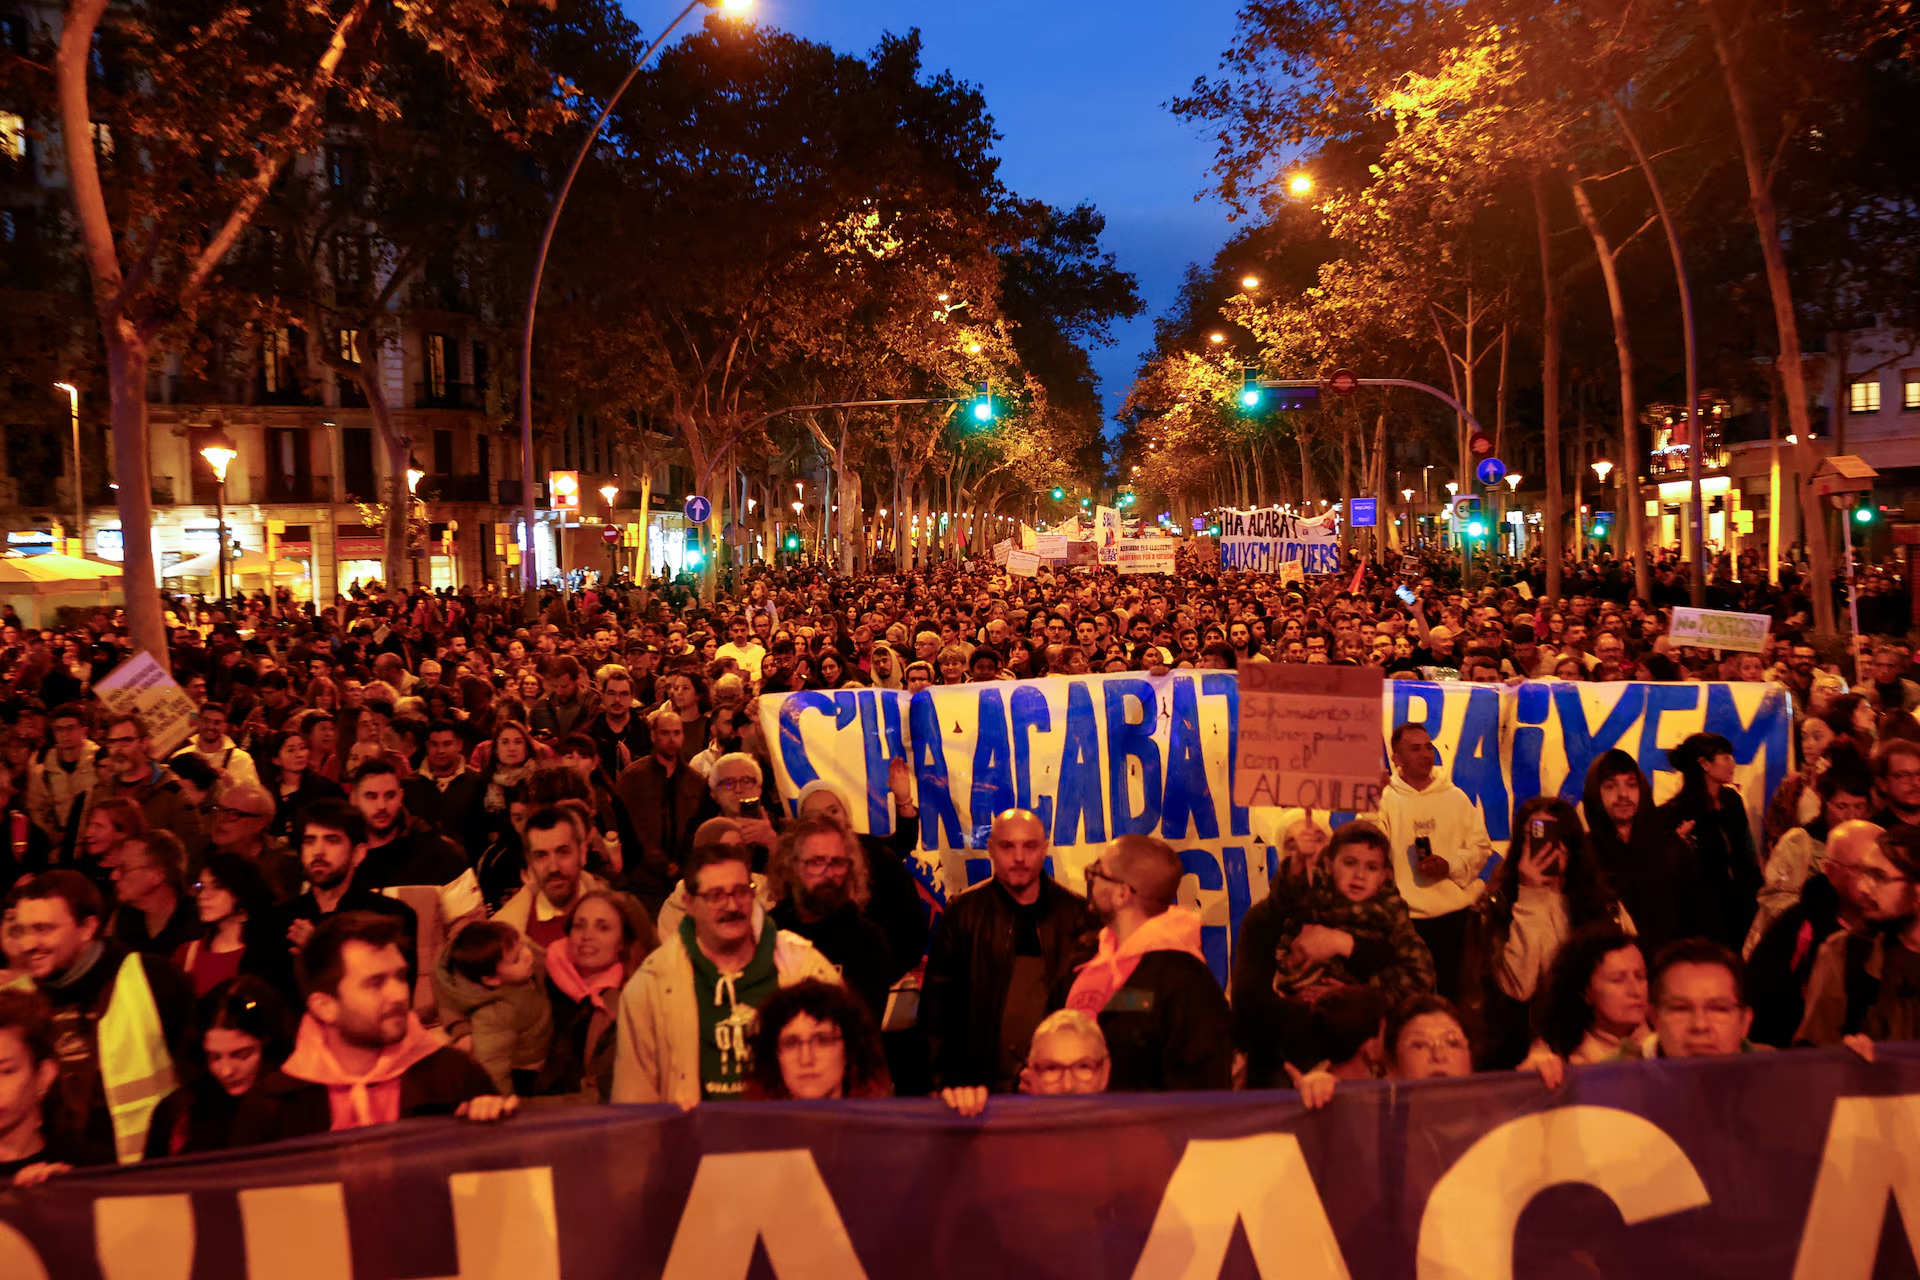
(1910, 389)
(1864, 397)
(479, 366)
(437, 365)
(356, 459)
(13, 136)
(442, 452)
(276, 357)
(350, 345)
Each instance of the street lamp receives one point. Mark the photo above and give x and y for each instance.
(1406, 495)
(1453, 488)
(1601, 468)
(1300, 184)
(1216, 338)
(1249, 282)
(79, 496)
(219, 451)
(531, 579)
(610, 491)
(1513, 482)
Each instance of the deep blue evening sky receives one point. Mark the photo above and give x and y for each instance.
(1077, 89)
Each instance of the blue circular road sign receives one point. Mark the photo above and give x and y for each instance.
(1491, 471)
(698, 509)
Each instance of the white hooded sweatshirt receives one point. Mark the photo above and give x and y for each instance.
(1442, 813)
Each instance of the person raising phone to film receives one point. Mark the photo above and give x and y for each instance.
(1549, 886)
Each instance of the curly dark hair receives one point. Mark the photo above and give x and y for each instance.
(866, 1070)
(1561, 1014)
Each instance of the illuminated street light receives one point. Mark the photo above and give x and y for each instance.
(1249, 282)
(79, 497)
(1513, 481)
(1406, 495)
(219, 451)
(1216, 338)
(1601, 468)
(1452, 488)
(1300, 184)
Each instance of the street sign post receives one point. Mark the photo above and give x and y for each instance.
(697, 509)
(1363, 513)
(1490, 471)
(1342, 382)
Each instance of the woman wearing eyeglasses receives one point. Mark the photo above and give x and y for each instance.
(816, 1040)
(233, 904)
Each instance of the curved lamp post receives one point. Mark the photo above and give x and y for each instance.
(530, 576)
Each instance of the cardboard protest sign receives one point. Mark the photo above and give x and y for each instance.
(141, 686)
(1717, 629)
(1023, 564)
(1309, 736)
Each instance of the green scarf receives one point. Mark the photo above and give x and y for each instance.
(726, 1008)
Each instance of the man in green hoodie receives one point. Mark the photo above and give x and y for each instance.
(685, 1016)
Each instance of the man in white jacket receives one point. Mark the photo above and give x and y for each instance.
(686, 1014)
(1439, 846)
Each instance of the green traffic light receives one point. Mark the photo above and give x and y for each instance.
(1250, 398)
(1475, 529)
(1059, 494)
(1864, 515)
(983, 410)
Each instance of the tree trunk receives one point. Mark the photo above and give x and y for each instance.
(1629, 428)
(1305, 442)
(127, 357)
(1793, 383)
(1552, 546)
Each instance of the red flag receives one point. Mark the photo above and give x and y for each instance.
(1359, 571)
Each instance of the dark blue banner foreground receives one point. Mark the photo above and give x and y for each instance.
(1774, 1165)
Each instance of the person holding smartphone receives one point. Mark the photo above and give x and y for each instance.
(1549, 886)
(734, 787)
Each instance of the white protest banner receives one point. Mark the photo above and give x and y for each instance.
(1411, 567)
(141, 686)
(1147, 555)
(1290, 572)
(1051, 546)
(1100, 755)
(1525, 589)
(1001, 550)
(1023, 564)
(1263, 540)
(1106, 534)
(1717, 629)
(1028, 538)
(1310, 736)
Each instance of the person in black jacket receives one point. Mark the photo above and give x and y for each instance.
(1002, 959)
(362, 1056)
(1164, 1016)
(1648, 866)
(1710, 815)
(245, 1033)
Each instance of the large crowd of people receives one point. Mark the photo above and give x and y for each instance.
(426, 855)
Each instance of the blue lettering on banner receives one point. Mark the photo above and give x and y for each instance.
(1080, 772)
(1102, 755)
(1131, 718)
(1205, 868)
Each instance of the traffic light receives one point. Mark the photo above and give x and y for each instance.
(1086, 502)
(1250, 387)
(1059, 494)
(1602, 525)
(1475, 529)
(1865, 514)
(791, 542)
(983, 404)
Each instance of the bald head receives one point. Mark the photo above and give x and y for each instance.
(1148, 866)
(1848, 841)
(1018, 845)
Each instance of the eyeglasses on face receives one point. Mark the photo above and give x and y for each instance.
(721, 897)
(820, 866)
(737, 784)
(820, 1041)
(1083, 1071)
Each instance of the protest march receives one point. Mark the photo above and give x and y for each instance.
(999, 899)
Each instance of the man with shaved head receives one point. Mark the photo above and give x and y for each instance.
(1001, 960)
(1164, 1016)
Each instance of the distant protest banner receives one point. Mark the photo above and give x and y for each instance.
(1746, 1167)
(1263, 540)
(1023, 564)
(1101, 755)
(141, 686)
(1001, 550)
(1310, 736)
(1051, 546)
(1718, 629)
(1148, 555)
(1106, 534)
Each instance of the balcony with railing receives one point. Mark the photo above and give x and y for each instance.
(1670, 438)
(455, 489)
(284, 390)
(441, 295)
(448, 395)
(277, 487)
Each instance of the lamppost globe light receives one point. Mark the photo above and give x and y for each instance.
(1249, 282)
(1406, 495)
(1601, 468)
(1513, 481)
(414, 476)
(609, 492)
(219, 453)
(1300, 184)
(1216, 337)
(1453, 488)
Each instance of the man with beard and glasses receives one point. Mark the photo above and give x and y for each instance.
(821, 882)
(686, 1017)
(556, 875)
(362, 1056)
